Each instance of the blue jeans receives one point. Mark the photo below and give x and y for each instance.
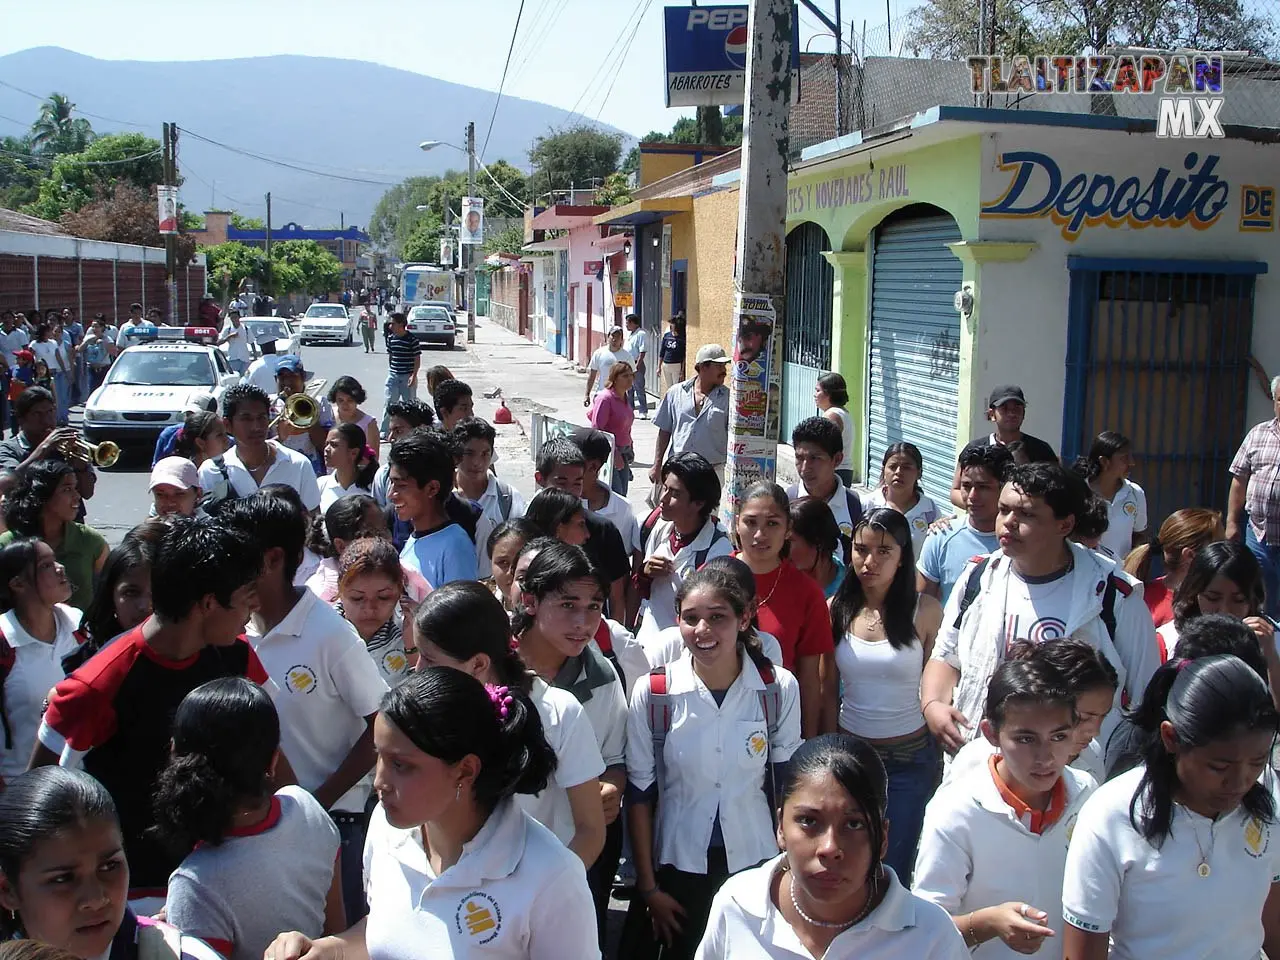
(351, 832)
(1268, 555)
(62, 393)
(914, 767)
(397, 389)
(637, 396)
(239, 366)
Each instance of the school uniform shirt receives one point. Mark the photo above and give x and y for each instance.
(659, 611)
(1126, 515)
(516, 893)
(838, 502)
(1167, 637)
(36, 669)
(289, 467)
(1153, 902)
(946, 552)
(569, 732)
(594, 683)
(491, 517)
(976, 751)
(980, 846)
(440, 556)
(331, 491)
(618, 511)
(918, 517)
(793, 608)
(324, 685)
(713, 764)
(237, 896)
(745, 924)
(112, 716)
(629, 654)
(136, 927)
(668, 645)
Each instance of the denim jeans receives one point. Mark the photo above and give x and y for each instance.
(637, 396)
(1268, 555)
(397, 389)
(239, 366)
(914, 767)
(62, 394)
(351, 832)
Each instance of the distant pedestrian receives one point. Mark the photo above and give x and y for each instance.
(1006, 410)
(638, 346)
(369, 327)
(236, 336)
(404, 356)
(832, 395)
(693, 416)
(611, 412)
(602, 362)
(671, 353)
(1253, 505)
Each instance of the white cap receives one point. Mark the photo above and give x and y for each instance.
(710, 353)
(176, 472)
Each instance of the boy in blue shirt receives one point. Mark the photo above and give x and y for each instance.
(421, 481)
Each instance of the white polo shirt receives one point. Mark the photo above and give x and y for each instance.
(975, 852)
(668, 645)
(659, 611)
(1153, 902)
(516, 893)
(713, 761)
(1126, 515)
(578, 760)
(37, 668)
(838, 502)
(491, 518)
(290, 468)
(745, 924)
(324, 685)
(976, 751)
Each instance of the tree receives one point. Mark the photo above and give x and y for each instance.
(317, 270)
(574, 157)
(20, 172)
(57, 131)
(190, 219)
(230, 264)
(77, 179)
(709, 127)
(247, 223)
(510, 240)
(615, 191)
(126, 215)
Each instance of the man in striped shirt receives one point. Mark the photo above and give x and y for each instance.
(403, 360)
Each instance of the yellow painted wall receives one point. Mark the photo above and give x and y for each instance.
(715, 228)
(655, 166)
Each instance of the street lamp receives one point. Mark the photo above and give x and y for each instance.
(470, 151)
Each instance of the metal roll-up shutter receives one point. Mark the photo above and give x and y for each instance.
(915, 344)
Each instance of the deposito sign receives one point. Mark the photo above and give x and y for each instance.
(706, 54)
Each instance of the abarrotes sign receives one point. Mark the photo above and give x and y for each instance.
(706, 54)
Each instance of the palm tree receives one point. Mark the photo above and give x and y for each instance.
(56, 131)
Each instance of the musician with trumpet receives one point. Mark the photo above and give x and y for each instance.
(306, 433)
(38, 437)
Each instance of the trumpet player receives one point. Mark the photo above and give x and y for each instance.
(291, 379)
(38, 437)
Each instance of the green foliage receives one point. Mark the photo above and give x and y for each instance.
(303, 266)
(230, 264)
(56, 131)
(247, 223)
(77, 179)
(709, 127)
(573, 157)
(509, 240)
(20, 172)
(615, 191)
(125, 215)
(190, 220)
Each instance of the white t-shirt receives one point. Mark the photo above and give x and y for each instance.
(1153, 902)
(578, 760)
(1126, 515)
(1036, 611)
(11, 343)
(636, 344)
(602, 362)
(331, 490)
(238, 345)
(516, 893)
(290, 467)
(37, 668)
(50, 351)
(846, 435)
(262, 374)
(324, 685)
(745, 924)
(918, 517)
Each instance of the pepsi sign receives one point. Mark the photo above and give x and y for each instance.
(706, 54)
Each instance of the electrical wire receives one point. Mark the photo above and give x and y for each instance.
(72, 158)
(286, 165)
(503, 82)
(36, 96)
(597, 77)
(622, 58)
(535, 43)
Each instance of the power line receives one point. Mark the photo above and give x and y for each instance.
(72, 158)
(603, 63)
(36, 96)
(503, 82)
(286, 165)
(535, 42)
(622, 59)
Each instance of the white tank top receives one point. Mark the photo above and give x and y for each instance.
(881, 687)
(846, 435)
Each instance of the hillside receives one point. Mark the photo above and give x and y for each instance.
(360, 119)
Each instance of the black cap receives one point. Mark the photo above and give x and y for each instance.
(1006, 393)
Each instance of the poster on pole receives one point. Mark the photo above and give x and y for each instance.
(167, 208)
(624, 289)
(447, 256)
(472, 230)
(753, 324)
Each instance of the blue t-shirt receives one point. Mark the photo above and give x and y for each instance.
(944, 555)
(441, 556)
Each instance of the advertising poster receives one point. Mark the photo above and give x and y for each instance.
(447, 256)
(750, 460)
(167, 204)
(624, 290)
(753, 336)
(472, 229)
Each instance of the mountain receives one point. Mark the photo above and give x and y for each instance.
(360, 120)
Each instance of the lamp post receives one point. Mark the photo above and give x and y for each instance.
(467, 254)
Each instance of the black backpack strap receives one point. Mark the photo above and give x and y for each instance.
(971, 588)
(717, 534)
(1114, 585)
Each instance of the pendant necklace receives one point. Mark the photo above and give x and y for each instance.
(838, 924)
(1203, 870)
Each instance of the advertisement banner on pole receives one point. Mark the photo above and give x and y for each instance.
(447, 256)
(624, 289)
(167, 208)
(752, 348)
(472, 231)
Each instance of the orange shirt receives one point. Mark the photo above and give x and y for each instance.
(1038, 820)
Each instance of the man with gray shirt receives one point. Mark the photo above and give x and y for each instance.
(693, 417)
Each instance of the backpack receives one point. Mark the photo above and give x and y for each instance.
(660, 718)
(504, 502)
(1113, 586)
(216, 500)
(853, 503)
(700, 556)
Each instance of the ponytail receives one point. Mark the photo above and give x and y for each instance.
(344, 520)
(1138, 562)
(463, 619)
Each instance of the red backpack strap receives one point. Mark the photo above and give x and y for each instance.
(604, 637)
(646, 528)
(659, 717)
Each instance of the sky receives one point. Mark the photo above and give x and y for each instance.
(567, 52)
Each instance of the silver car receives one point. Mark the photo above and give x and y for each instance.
(331, 322)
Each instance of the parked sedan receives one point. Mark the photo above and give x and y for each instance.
(430, 323)
(273, 328)
(327, 321)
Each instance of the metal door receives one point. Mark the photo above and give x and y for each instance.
(1162, 357)
(807, 352)
(648, 250)
(914, 382)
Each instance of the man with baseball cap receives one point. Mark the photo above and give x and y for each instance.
(175, 488)
(602, 362)
(291, 378)
(1006, 411)
(693, 417)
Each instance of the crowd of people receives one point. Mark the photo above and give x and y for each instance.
(346, 694)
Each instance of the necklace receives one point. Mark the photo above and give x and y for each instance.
(837, 924)
(769, 595)
(1203, 870)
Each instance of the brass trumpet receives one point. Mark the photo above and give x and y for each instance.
(103, 454)
(301, 410)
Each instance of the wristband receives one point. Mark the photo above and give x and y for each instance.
(646, 894)
(928, 703)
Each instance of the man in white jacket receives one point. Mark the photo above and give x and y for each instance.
(1038, 586)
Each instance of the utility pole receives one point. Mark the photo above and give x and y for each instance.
(171, 240)
(470, 253)
(755, 379)
(268, 290)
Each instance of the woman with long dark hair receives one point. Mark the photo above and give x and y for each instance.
(899, 488)
(1178, 857)
(1106, 467)
(884, 632)
(346, 395)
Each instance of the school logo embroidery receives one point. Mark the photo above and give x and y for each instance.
(920, 523)
(395, 662)
(300, 679)
(1131, 508)
(1257, 837)
(478, 917)
(757, 744)
(1071, 827)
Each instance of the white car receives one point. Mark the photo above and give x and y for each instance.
(272, 328)
(327, 321)
(147, 387)
(432, 323)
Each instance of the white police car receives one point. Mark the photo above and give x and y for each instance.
(151, 381)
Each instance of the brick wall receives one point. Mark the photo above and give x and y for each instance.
(508, 299)
(95, 286)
